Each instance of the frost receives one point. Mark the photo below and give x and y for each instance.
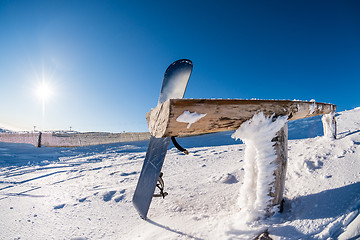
(190, 118)
(312, 107)
(257, 134)
(329, 125)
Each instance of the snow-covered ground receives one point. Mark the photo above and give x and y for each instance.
(86, 192)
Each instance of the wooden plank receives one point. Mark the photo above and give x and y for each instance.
(224, 115)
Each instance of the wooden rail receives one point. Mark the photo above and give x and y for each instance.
(224, 115)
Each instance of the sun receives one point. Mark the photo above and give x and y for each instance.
(44, 91)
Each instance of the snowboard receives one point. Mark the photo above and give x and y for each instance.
(173, 86)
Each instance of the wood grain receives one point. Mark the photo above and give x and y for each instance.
(224, 115)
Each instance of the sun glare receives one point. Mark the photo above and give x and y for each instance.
(44, 91)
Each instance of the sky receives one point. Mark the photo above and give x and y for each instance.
(104, 60)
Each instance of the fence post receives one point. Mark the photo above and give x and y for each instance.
(39, 140)
(281, 150)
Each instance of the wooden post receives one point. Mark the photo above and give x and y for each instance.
(335, 127)
(39, 140)
(281, 148)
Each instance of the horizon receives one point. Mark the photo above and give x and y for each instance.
(98, 66)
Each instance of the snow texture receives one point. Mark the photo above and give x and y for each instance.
(259, 165)
(190, 118)
(352, 230)
(86, 192)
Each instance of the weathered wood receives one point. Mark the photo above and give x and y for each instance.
(281, 148)
(224, 115)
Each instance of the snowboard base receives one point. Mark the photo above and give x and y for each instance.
(150, 172)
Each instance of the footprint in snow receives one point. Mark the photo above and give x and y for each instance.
(313, 165)
(121, 197)
(229, 179)
(60, 206)
(128, 174)
(82, 199)
(108, 195)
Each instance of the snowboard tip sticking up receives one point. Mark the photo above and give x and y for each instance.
(173, 86)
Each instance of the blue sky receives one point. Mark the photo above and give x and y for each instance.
(105, 60)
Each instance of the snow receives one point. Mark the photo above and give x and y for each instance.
(312, 107)
(352, 229)
(86, 192)
(189, 117)
(328, 125)
(259, 164)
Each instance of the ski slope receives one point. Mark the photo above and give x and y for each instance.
(86, 192)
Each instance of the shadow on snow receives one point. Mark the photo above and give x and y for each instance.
(18, 155)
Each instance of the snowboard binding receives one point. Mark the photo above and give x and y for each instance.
(160, 185)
